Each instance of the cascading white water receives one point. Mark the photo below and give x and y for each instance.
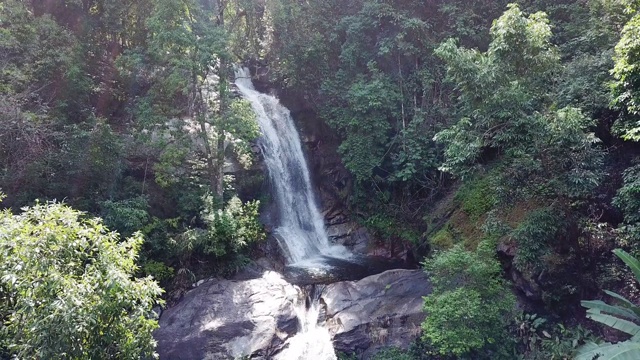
(301, 232)
(313, 341)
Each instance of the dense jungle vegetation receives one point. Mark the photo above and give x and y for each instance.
(496, 140)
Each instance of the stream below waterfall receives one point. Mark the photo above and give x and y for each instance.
(313, 340)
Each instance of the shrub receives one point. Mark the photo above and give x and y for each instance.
(624, 317)
(443, 239)
(534, 237)
(67, 288)
(628, 197)
(470, 307)
(126, 216)
(393, 354)
(158, 270)
(228, 230)
(476, 197)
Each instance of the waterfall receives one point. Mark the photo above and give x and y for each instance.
(300, 232)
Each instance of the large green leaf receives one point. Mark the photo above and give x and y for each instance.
(616, 317)
(626, 326)
(621, 351)
(603, 307)
(631, 262)
(626, 303)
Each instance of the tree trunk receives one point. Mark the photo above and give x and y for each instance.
(223, 96)
(200, 115)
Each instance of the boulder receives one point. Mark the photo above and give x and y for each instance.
(378, 311)
(258, 318)
(226, 319)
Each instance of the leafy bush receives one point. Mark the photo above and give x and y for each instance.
(158, 270)
(232, 228)
(534, 237)
(393, 354)
(505, 110)
(443, 239)
(227, 232)
(390, 229)
(628, 197)
(345, 356)
(476, 197)
(470, 306)
(67, 288)
(541, 341)
(125, 216)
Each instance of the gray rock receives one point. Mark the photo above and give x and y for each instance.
(378, 311)
(224, 319)
(339, 231)
(360, 241)
(351, 235)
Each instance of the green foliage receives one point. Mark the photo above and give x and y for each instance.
(497, 89)
(534, 237)
(126, 216)
(41, 43)
(369, 104)
(375, 88)
(393, 354)
(240, 123)
(184, 39)
(476, 197)
(626, 75)
(541, 341)
(170, 167)
(505, 109)
(228, 231)
(67, 288)
(628, 197)
(123, 108)
(586, 34)
(159, 271)
(344, 356)
(443, 239)
(624, 317)
(385, 228)
(233, 228)
(470, 307)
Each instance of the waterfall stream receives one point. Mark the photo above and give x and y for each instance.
(300, 232)
(313, 340)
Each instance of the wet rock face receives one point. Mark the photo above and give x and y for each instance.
(224, 319)
(334, 184)
(378, 311)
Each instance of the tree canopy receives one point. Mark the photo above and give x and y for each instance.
(68, 288)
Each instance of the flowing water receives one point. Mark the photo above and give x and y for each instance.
(300, 231)
(313, 340)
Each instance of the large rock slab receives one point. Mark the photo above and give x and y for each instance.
(378, 311)
(225, 319)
